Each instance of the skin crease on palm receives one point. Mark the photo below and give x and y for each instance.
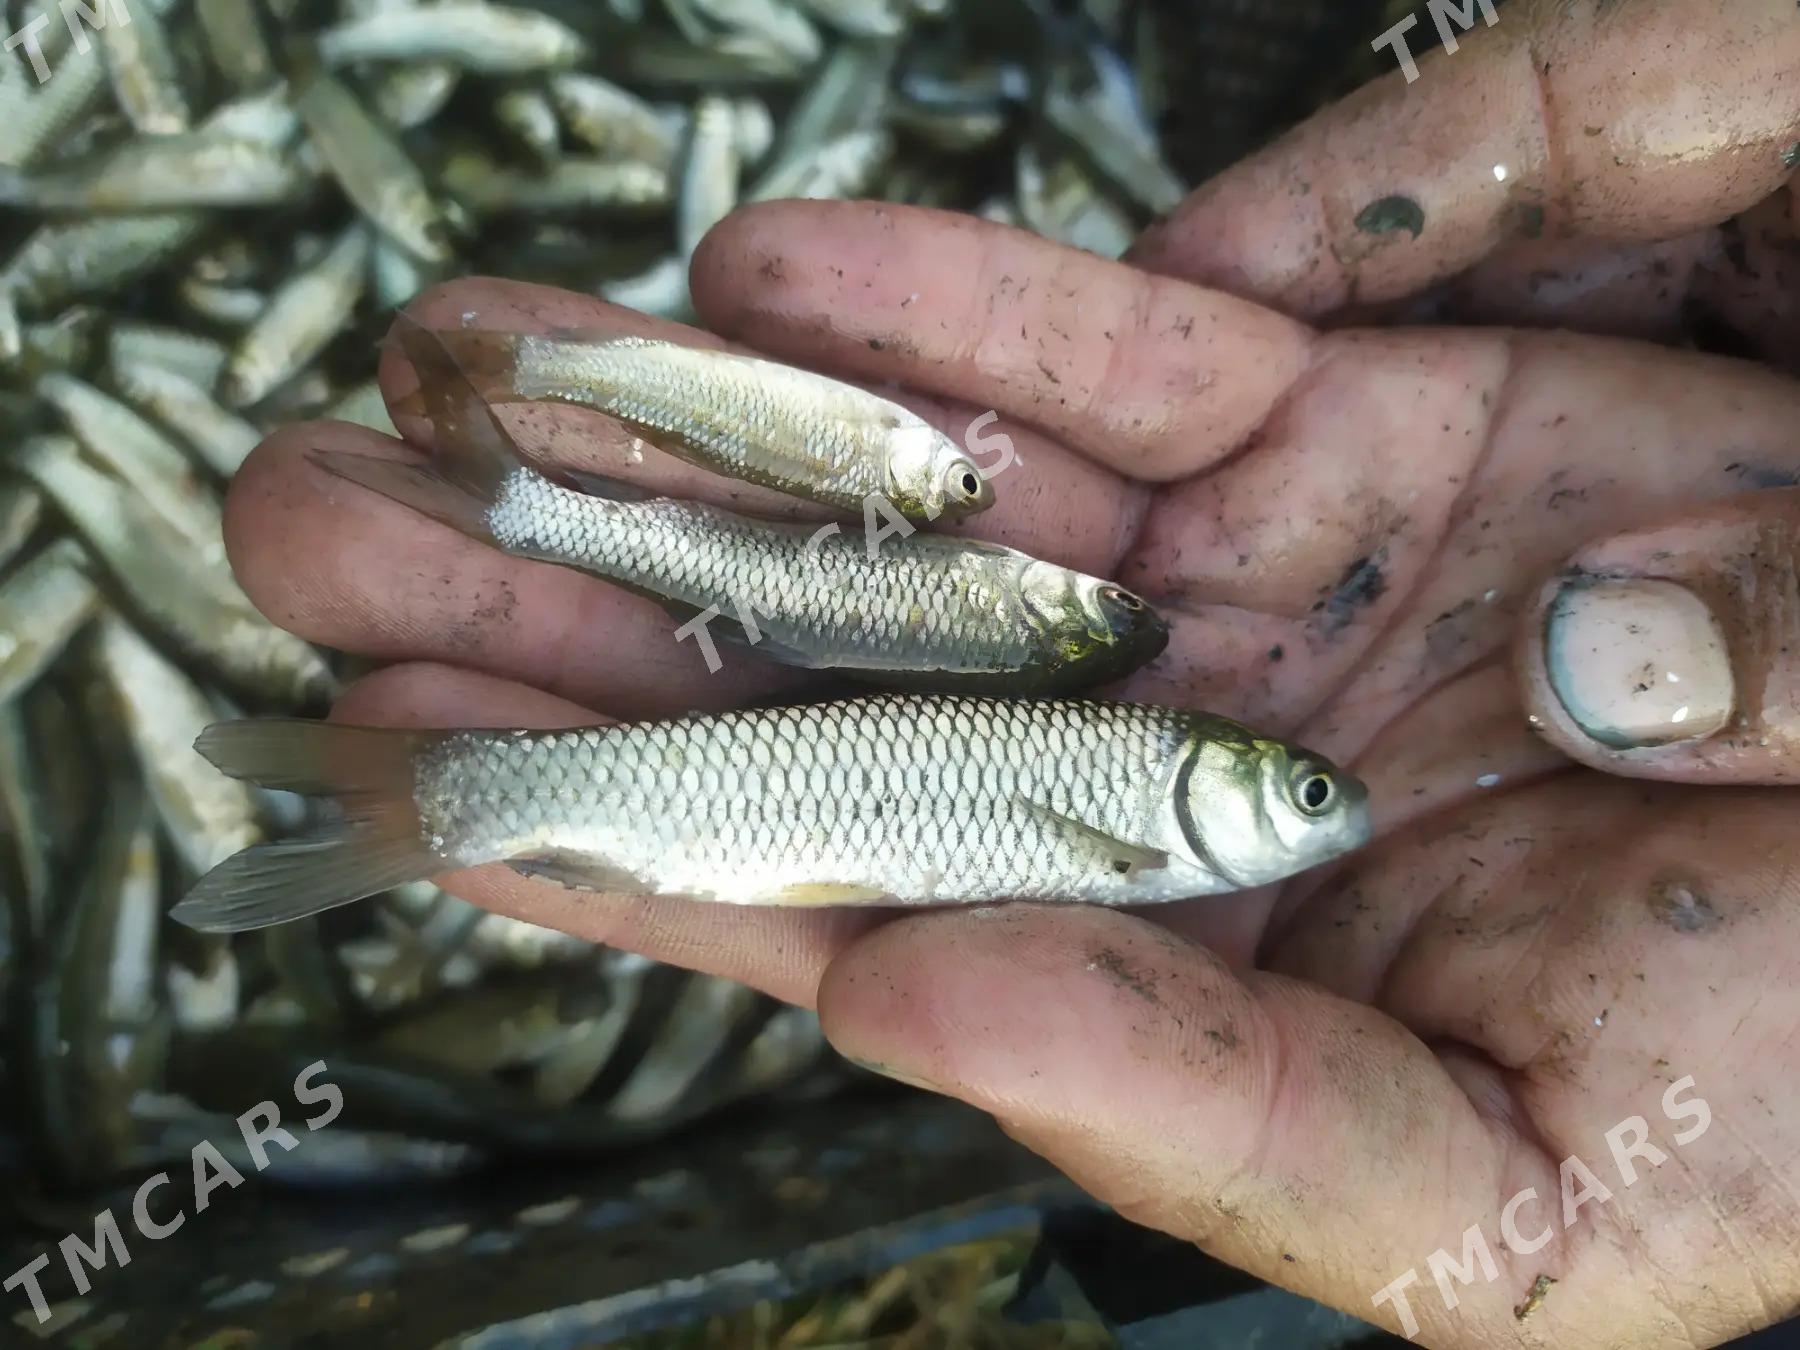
(1352, 532)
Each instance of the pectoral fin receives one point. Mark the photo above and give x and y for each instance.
(1124, 858)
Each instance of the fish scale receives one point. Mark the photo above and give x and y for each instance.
(814, 438)
(912, 798)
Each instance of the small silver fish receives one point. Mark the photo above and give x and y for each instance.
(179, 591)
(99, 1027)
(839, 168)
(193, 356)
(140, 62)
(43, 603)
(21, 508)
(372, 168)
(66, 259)
(410, 96)
(613, 121)
(222, 438)
(899, 800)
(919, 610)
(162, 173)
(153, 465)
(709, 175)
(575, 183)
(226, 306)
(236, 43)
(530, 116)
(207, 817)
(301, 317)
(491, 39)
(785, 428)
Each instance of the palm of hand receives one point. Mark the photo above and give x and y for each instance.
(1530, 953)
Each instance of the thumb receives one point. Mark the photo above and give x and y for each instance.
(1674, 652)
(1308, 1139)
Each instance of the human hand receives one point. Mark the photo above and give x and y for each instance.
(1621, 169)
(1325, 519)
(1422, 1038)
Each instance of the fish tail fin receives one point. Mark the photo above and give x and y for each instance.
(473, 454)
(424, 487)
(377, 845)
(484, 360)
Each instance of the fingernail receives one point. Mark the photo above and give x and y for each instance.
(1638, 663)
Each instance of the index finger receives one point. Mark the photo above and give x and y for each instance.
(1616, 122)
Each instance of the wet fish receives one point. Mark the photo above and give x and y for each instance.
(709, 176)
(410, 96)
(153, 466)
(21, 508)
(140, 63)
(191, 599)
(236, 42)
(789, 429)
(575, 183)
(99, 1026)
(220, 437)
(920, 610)
(491, 39)
(372, 168)
(613, 121)
(193, 356)
(221, 305)
(770, 24)
(899, 800)
(43, 603)
(208, 817)
(65, 260)
(842, 167)
(531, 118)
(300, 319)
(162, 173)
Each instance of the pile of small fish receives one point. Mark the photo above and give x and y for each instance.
(212, 211)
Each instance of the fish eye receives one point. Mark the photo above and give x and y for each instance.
(964, 480)
(1125, 600)
(1314, 792)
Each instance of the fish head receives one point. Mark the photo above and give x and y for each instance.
(1090, 623)
(1254, 810)
(930, 476)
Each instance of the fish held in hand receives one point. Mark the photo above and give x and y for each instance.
(898, 800)
(746, 418)
(899, 607)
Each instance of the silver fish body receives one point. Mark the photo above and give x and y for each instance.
(222, 438)
(141, 64)
(575, 183)
(898, 800)
(207, 817)
(782, 427)
(918, 609)
(896, 607)
(300, 319)
(372, 167)
(489, 39)
(191, 599)
(162, 173)
(613, 121)
(42, 604)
